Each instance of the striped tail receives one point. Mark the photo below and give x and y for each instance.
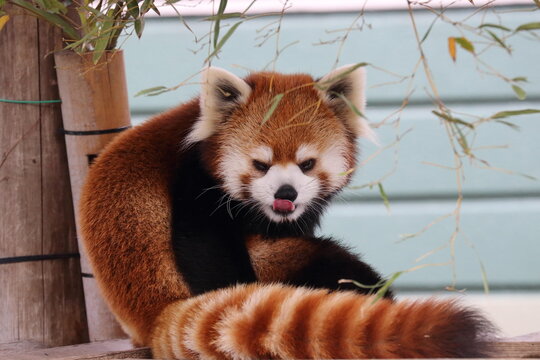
(277, 321)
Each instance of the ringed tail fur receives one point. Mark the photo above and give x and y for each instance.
(276, 321)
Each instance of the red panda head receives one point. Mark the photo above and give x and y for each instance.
(293, 160)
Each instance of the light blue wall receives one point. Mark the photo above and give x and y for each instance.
(500, 217)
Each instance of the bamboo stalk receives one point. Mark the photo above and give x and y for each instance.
(95, 109)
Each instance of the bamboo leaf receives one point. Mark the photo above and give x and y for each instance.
(133, 8)
(452, 119)
(223, 40)
(505, 114)
(495, 26)
(221, 11)
(520, 93)
(54, 19)
(521, 78)
(224, 16)
(384, 289)
(384, 197)
(152, 91)
(509, 124)
(499, 41)
(321, 85)
(428, 30)
(528, 27)
(273, 106)
(452, 48)
(462, 141)
(102, 41)
(139, 26)
(465, 44)
(3, 20)
(349, 104)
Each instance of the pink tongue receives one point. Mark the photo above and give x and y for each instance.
(283, 205)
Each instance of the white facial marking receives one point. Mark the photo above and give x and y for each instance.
(233, 164)
(264, 188)
(306, 152)
(333, 162)
(263, 153)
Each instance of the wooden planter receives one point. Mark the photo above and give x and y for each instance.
(94, 109)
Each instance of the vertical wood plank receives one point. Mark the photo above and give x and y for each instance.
(62, 281)
(41, 301)
(20, 177)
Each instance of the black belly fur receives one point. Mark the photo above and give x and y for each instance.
(208, 237)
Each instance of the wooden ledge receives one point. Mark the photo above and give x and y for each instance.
(527, 346)
(99, 350)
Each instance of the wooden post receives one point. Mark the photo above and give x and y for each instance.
(41, 293)
(95, 109)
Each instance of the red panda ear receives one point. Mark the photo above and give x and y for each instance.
(343, 89)
(221, 92)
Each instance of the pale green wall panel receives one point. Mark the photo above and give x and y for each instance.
(164, 56)
(501, 214)
(504, 232)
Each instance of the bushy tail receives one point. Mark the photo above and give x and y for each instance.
(277, 321)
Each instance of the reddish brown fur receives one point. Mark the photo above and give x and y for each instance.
(125, 212)
(300, 117)
(277, 321)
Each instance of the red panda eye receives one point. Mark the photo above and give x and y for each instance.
(307, 165)
(259, 165)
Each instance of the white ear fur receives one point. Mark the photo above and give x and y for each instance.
(352, 86)
(221, 91)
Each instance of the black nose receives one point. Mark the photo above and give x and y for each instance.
(286, 192)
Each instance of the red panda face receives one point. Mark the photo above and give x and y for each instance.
(292, 161)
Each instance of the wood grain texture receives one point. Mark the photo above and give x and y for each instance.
(42, 301)
(111, 349)
(122, 349)
(94, 97)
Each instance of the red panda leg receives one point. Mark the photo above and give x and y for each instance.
(311, 261)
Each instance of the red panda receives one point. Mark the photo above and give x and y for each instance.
(200, 228)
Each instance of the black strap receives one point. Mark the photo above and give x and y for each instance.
(87, 275)
(96, 132)
(28, 258)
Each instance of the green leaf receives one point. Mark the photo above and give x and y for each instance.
(384, 197)
(273, 106)
(449, 118)
(520, 93)
(509, 124)
(221, 11)
(384, 289)
(133, 8)
(505, 114)
(495, 26)
(528, 26)
(349, 104)
(223, 40)
(152, 91)
(499, 41)
(321, 85)
(102, 41)
(521, 78)
(56, 20)
(224, 16)
(465, 44)
(139, 26)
